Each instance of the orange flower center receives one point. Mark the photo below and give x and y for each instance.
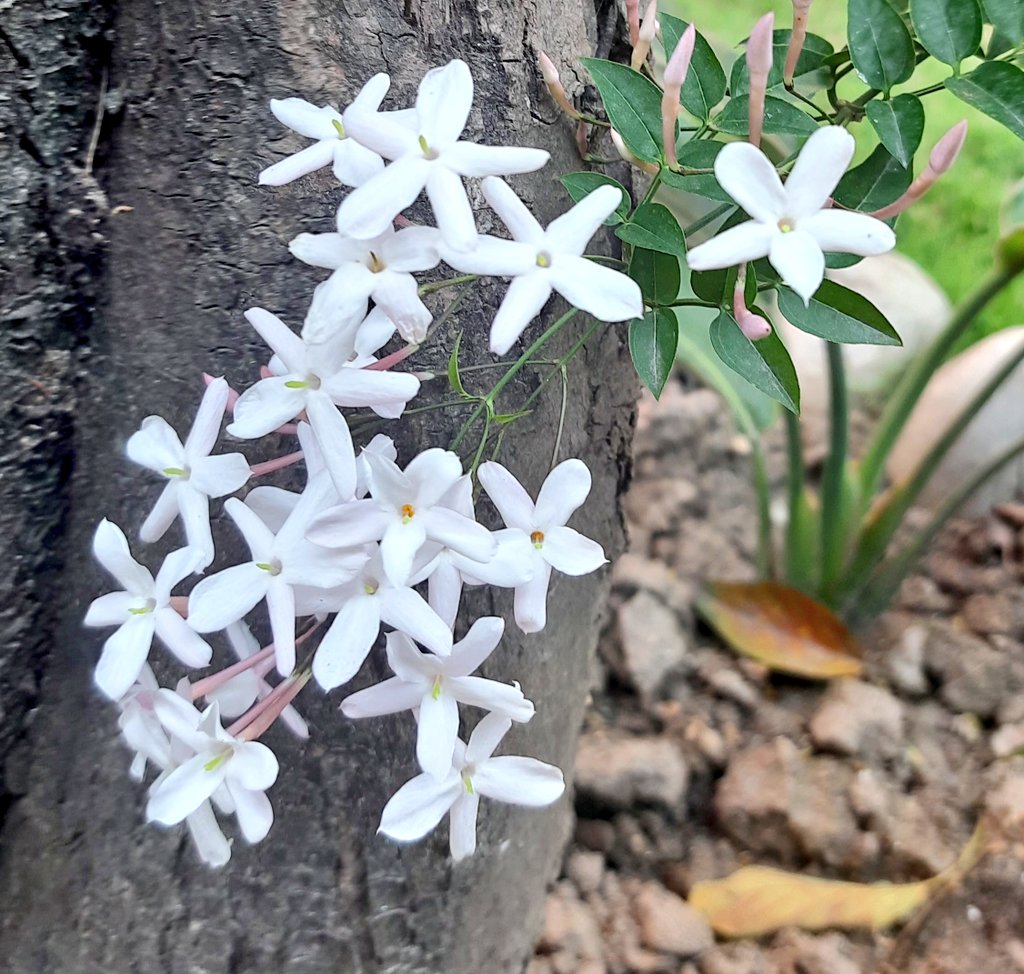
(538, 539)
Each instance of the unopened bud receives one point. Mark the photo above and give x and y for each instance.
(633, 20)
(675, 76)
(753, 326)
(554, 85)
(796, 39)
(648, 28)
(623, 150)
(759, 64)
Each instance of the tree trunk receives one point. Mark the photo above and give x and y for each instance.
(134, 134)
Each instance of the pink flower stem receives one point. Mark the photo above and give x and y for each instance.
(278, 463)
(210, 683)
(262, 716)
(796, 40)
(393, 359)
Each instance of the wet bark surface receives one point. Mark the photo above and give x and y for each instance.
(133, 135)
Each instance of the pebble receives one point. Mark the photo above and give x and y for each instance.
(652, 641)
(616, 771)
(668, 924)
(635, 573)
(856, 718)
(904, 663)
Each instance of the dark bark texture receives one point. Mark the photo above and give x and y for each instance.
(134, 237)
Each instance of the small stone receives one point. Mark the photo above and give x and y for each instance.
(731, 685)
(1006, 740)
(668, 924)
(616, 771)
(653, 643)
(920, 593)
(635, 573)
(659, 503)
(987, 613)
(586, 869)
(904, 663)
(858, 718)
(1005, 803)
(569, 926)
(739, 958)
(596, 834)
(829, 953)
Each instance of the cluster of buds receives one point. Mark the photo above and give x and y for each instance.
(368, 544)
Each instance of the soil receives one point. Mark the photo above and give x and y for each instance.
(694, 761)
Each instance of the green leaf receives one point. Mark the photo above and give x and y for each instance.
(454, 379)
(657, 274)
(813, 57)
(765, 364)
(881, 47)
(838, 314)
(875, 183)
(700, 154)
(633, 104)
(899, 124)
(1007, 16)
(704, 87)
(653, 227)
(780, 117)
(715, 287)
(580, 184)
(950, 30)
(995, 88)
(652, 346)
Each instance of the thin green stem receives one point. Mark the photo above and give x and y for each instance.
(653, 188)
(450, 282)
(723, 210)
(910, 387)
(833, 544)
(797, 565)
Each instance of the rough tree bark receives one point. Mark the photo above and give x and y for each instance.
(133, 133)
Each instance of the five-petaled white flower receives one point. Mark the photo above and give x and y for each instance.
(140, 611)
(791, 224)
(427, 155)
(437, 686)
(193, 476)
(542, 261)
(552, 544)
(380, 268)
(417, 807)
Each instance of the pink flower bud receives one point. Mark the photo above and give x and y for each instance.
(753, 326)
(675, 76)
(623, 150)
(948, 148)
(759, 64)
(633, 20)
(648, 28)
(796, 39)
(554, 85)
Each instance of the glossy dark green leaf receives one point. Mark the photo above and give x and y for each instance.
(653, 340)
(838, 314)
(704, 87)
(700, 154)
(454, 378)
(995, 88)
(813, 57)
(765, 364)
(875, 183)
(1007, 16)
(653, 227)
(657, 274)
(899, 124)
(780, 117)
(949, 30)
(633, 104)
(580, 184)
(881, 47)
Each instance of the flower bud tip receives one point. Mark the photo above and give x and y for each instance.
(948, 148)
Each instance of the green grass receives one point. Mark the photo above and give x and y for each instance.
(952, 231)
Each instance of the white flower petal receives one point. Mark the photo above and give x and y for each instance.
(435, 737)
(348, 525)
(110, 547)
(397, 295)
(849, 233)
(226, 597)
(253, 766)
(206, 426)
(493, 257)
(571, 232)
(265, 406)
(507, 495)
(156, 446)
(177, 565)
(470, 159)
(335, 441)
(412, 249)
(475, 691)
(184, 790)
(443, 101)
(218, 475)
(605, 293)
(475, 647)
(124, 654)
(417, 807)
(207, 837)
(254, 811)
(329, 250)
(163, 514)
(525, 298)
(299, 164)
(111, 609)
(195, 516)
(748, 176)
(451, 208)
(818, 169)
(353, 387)
(748, 241)
(521, 223)
(799, 261)
(368, 210)
(563, 491)
(398, 548)
(509, 568)
(405, 610)
(407, 662)
(347, 642)
(462, 826)
(281, 607)
(461, 534)
(355, 164)
(530, 601)
(373, 333)
(181, 639)
(258, 536)
(285, 343)
(444, 591)
(571, 553)
(486, 736)
(390, 697)
(519, 781)
(305, 118)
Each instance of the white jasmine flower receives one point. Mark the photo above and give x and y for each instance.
(314, 381)
(379, 268)
(552, 544)
(417, 807)
(363, 604)
(280, 562)
(542, 261)
(141, 727)
(428, 155)
(353, 163)
(140, 611)
(791, 224)
(405, 510)
(246, 769)
(193, 476)
(437, 686)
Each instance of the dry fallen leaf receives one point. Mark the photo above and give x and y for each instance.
(756, 900)
(781, 628)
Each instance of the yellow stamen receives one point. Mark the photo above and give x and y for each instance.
(408, 513)
(786, 226)
(175, 472)
(339, 128)
(436, 692)
(538, 539)
(543, 259)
